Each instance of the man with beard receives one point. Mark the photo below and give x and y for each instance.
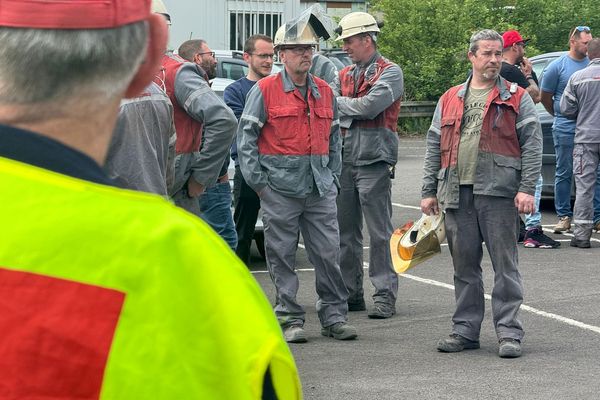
(484, 155)
(258, 53)
(517, 68)
(215, 201)
(555, 80)
(201, 119)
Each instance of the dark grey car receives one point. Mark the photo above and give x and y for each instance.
(540, 63)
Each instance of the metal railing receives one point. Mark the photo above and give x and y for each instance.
(412, 109)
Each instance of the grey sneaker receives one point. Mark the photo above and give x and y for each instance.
(455, 343)
(294, 334)
(509, 348)
(340, 331)
(381, 311)
(563, 224)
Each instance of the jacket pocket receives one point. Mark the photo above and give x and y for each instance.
(447, 128)
(283, 173)
(323, 118)
(369, 145)
(285, 120)
(507, 173)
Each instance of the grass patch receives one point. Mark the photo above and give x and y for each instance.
(415, 126)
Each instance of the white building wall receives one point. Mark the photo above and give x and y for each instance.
(211, 19)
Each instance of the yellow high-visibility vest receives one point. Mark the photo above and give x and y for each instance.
(114, 294)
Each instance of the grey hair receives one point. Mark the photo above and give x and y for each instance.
(485, 34)
(41, 65)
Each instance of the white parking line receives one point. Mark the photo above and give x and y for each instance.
(541, 313)
(524, 307)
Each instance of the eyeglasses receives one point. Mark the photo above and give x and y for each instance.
(300, 50)
(212, 53)
(264, 56)
(581, 28)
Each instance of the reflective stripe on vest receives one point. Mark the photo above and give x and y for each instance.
(189, 131)
(115, 294)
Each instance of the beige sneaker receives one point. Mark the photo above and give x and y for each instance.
(563, 225)
(597, 226)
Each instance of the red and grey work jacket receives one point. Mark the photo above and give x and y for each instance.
(189, 130)
(288, 142)
(369, 106)
(510, 146)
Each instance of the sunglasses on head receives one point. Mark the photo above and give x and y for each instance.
(581, 28)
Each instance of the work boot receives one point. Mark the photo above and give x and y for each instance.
(581, 243)
(340, 331)
(382, 311)
(535, 238)
(294, 334)
(509, 348)
(563, 224)
(357, 305)
(455, 343)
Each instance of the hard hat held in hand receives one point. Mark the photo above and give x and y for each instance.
(416, 242)
(356, 23)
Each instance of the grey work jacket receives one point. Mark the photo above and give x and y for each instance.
(142, 150)
(496, 174)
(581, 101)
(364, 145)
(201, 103)
(293, 175)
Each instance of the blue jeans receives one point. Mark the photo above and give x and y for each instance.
(215, 210)
(534, 220)
(563, 147)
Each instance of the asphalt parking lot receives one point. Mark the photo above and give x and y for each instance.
(397, 358)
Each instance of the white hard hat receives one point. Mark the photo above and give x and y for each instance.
(159, 7)
(416, 242)
(356, 23)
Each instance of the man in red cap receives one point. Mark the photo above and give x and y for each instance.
(109, 293)
(516, 68)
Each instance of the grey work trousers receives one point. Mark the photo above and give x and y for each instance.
(367, 190)
(492, 220)
(586, 157)
(315, 218)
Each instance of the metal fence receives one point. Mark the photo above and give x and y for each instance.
(413, 109)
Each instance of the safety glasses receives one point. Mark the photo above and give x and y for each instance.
(581, 28)
(300, 50)
(212, 53)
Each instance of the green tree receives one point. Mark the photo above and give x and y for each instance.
(429, 38)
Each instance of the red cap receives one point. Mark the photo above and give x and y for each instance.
(512, 37)
(72, 14)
